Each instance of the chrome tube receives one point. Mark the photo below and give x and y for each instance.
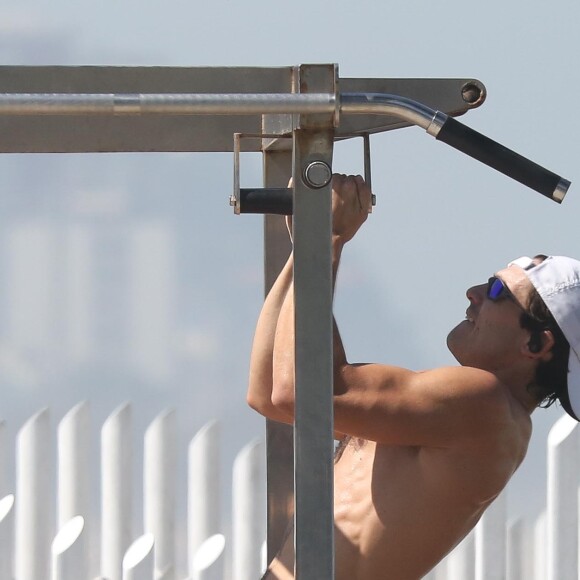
(215, 104)
(395, 105)
(165, 104)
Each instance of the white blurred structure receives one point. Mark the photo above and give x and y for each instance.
(153, 292)
(562, 510)
(34, 547)
(204, 493)
(83, 292)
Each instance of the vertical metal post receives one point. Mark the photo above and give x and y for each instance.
(313, 141)
(279, 437)
(313, 430)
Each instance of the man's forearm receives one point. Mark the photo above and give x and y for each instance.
(284, 343)
(261, 363)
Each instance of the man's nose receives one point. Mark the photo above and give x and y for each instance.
(476, 294)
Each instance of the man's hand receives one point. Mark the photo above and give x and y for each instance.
(351, 200)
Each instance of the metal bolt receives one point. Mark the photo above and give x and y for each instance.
(317, 174)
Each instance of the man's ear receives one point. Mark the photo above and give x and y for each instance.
(540, 344)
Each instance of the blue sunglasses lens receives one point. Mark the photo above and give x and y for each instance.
(496, 289)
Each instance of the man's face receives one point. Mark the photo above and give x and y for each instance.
(490, 337)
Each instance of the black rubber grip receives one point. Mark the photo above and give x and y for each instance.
(272, 200)
(499, 157)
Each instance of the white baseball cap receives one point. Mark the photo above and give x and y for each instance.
(557, 281)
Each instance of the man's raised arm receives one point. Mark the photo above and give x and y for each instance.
(383, 403)
(259, 394)
(351, 200)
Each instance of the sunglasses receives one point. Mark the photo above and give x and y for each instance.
(497, 290)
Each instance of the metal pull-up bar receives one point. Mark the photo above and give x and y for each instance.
(440, 125)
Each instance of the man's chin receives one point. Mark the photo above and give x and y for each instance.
(453, 343)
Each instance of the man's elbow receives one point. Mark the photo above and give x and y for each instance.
(258, 403)
(267, 408)
(283, 397)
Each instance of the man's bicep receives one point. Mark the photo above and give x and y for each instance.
(396, 406)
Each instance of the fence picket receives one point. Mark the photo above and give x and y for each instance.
(69, 551)
(138, 562)
(6, 537)
(249, 517)
(204, 489)
(3, 460)
(116, 496)
(208, 562)
(540, 535)
(515, 549)
(562, 500)
(490, 541)
(33, 498)
(461, 562)
(74, 470)
(159, 488)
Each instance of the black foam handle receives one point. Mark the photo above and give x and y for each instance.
(499, 157)
(272, 200)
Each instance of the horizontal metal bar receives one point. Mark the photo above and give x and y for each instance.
(213, 104)
(164, 104)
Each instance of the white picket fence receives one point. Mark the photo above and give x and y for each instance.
(32, 548)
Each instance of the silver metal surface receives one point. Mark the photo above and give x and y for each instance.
(561, 190)
(279, 437)
(215, 104)
(317, 174)
(165, 104)
(313, 410)
(367, 165)
(380, 104)
(436, 123)
(313, 432)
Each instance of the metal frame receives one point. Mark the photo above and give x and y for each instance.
(88, 109)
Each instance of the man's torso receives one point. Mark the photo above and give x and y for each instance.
(399, 510)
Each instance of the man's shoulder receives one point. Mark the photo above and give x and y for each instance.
(464, 381)
(473, 391)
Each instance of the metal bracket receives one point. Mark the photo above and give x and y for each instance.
(279, 200)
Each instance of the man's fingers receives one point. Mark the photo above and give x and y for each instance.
(365, 194)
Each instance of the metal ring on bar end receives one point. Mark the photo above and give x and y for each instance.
(561, 190)
(437, 122)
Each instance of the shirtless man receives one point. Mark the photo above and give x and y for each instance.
(425, 453)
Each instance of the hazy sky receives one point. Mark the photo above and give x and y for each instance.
(443, 221)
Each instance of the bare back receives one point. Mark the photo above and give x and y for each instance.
(400, 509)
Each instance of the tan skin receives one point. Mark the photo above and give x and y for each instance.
(429, 450)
